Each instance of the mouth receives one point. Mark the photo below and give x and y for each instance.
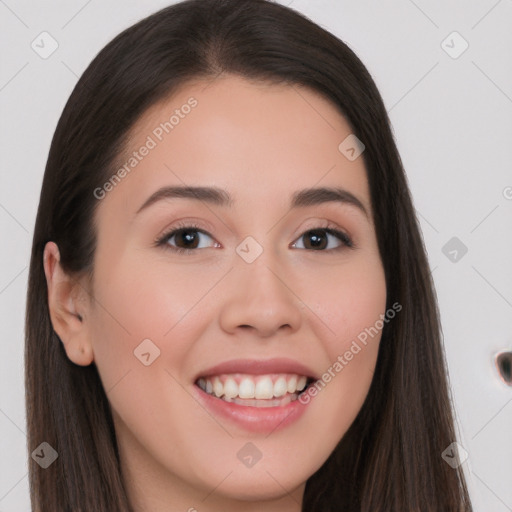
(256, 395)
(261, 391)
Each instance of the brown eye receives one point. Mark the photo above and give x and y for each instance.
(184, 239)
(319, 238)
(187, 237)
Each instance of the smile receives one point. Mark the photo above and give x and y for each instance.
(270, 390)
(255, 395)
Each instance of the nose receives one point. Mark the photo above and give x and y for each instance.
(260, 300)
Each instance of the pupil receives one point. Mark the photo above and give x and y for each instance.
(188, 236)
(317, 241)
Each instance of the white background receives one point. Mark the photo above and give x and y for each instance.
(452, 119)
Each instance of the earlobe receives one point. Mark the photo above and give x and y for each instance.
(68, 310)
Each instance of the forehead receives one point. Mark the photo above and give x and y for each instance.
(257, 140)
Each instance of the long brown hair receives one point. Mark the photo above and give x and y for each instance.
(390, 458)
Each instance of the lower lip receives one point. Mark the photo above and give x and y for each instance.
(254, 419)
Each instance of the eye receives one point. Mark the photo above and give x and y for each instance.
(318, 239)
(186, 238)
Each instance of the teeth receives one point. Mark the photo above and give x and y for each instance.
(239, 388)
(264, 388)
(292, 384)
(218, 388)
(280, 387)
(247, 388)
(302, 383)
(230, 388)
(277, 402)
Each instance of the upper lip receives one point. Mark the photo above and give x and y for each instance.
(258, 367)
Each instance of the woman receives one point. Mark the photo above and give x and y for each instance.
(291, 359)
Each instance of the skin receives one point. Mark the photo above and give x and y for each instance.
(260, 143)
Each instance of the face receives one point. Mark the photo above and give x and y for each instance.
(273, 290)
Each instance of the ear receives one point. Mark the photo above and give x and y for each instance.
(68, 303)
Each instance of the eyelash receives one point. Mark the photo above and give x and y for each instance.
(330, 229)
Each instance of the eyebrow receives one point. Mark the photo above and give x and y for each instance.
(219, 197)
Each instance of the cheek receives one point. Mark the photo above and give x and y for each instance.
(140, 301)
(136, 302)
(146, 319)
(136, 315)
(349, 300)
(351, 303)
